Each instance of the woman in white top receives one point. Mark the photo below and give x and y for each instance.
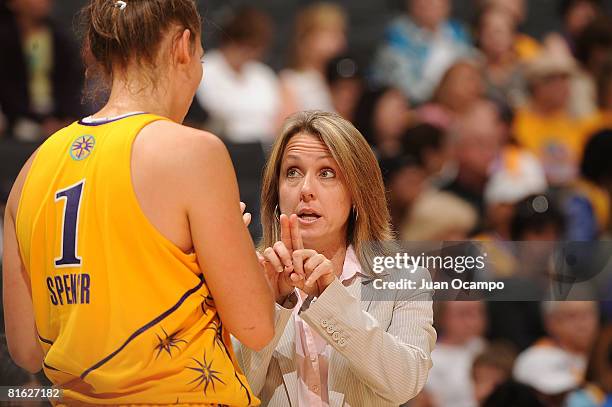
(336, 341)
(319, 36)
(241, 94)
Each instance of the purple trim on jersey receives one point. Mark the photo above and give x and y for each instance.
(51, 367)
(47, 341)
(145, 327)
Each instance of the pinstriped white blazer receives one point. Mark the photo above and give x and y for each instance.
(381, 350)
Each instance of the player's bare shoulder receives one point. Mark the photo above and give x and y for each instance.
(179, 160)
(169, 143)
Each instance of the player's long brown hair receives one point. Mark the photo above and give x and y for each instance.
(369, 224)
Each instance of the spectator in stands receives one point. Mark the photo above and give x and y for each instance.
(586, 204)
(517, 9)
(382, 116)
(503, 76)
(593, 50)
(576, 16)
(419, 47)
(460, 89)
(536, 226)
(461, 327)
(596, 167)
(525, 46)
(516, 175)
(40, 74)
(240, 93)
(439, 216)
(532, 219)
(346, 85)
(429, 145)
(556, 364)
(491, 368)
(537, 218)
(597, 388)
(319, 36)
(601, 118)
(476, 142)
(594, 45)
(404, 180)
(545, 126)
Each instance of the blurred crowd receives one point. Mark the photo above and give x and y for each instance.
(482, 132)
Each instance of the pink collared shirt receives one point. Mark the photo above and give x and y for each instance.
(312, 351)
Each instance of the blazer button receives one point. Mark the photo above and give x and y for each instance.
(336, 336)
(330, 329)
(342, 342)
(324, 323)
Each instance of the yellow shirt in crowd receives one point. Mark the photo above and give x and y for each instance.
(557, 140)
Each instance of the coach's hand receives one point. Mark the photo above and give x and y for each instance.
(278, 264)
(319, 271)
(246, 217)
(313, 271)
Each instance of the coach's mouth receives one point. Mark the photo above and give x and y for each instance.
(308, 216)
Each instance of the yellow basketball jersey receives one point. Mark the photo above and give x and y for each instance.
(123, 315)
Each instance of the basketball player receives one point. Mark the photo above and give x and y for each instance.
(127, 264)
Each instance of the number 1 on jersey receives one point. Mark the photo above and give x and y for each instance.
(70, 223)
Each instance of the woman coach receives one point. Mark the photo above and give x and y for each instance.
(322, 201)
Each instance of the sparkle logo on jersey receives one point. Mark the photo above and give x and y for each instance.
(82, 147)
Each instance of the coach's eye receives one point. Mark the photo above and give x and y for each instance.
(293, 173)
(328, 173)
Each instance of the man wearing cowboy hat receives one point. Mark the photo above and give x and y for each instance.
(545, 125)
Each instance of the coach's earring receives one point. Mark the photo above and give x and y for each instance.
(277, 213)
(356, 212)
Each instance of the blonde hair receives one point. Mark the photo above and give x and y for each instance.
(437, 213)
(369, 225)
(309, 20)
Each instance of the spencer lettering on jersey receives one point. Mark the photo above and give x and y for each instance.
(69, 289)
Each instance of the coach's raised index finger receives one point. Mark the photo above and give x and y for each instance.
(286, 232)
(296, 241)
(296, 236)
